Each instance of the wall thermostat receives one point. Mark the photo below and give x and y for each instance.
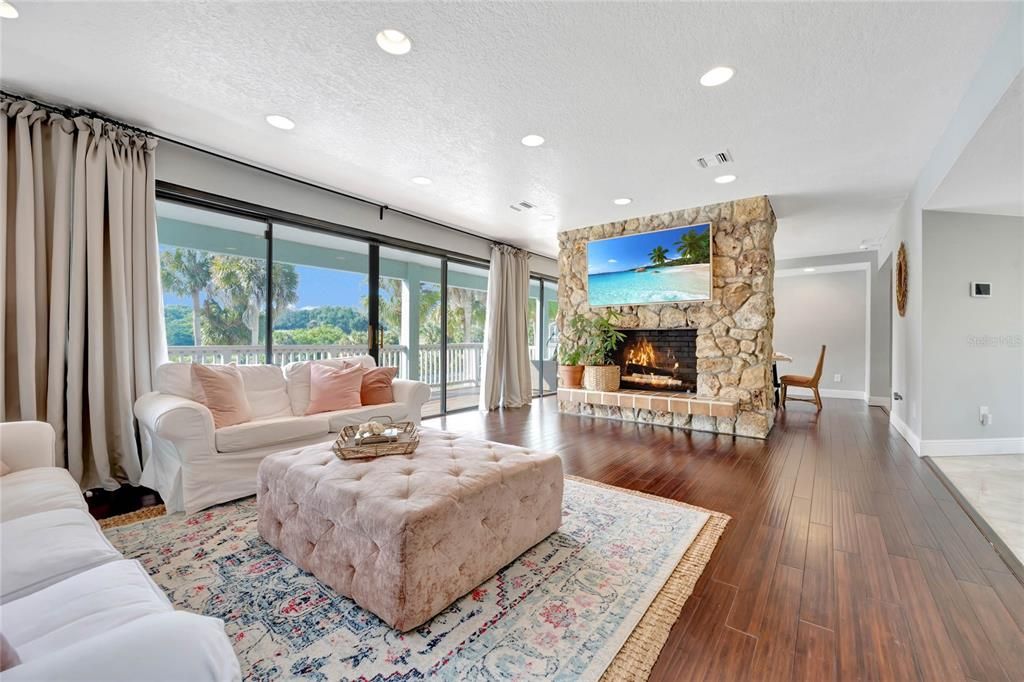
(981, 289)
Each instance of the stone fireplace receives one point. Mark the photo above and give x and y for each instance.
(658, 359)
(725, 384)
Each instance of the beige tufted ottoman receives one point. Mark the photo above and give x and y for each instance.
(405, 536)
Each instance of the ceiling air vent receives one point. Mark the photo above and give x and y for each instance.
(717, 159)
(522, 205)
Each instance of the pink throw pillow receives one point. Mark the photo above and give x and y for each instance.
(220, 388)
(377, 388)
(334, 388)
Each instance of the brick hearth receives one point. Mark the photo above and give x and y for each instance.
(659, 401)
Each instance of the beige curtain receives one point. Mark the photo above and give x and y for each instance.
(81, 319)
(506, 370)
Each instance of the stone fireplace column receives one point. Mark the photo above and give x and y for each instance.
(734, 328)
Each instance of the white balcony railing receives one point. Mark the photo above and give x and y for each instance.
(464, 359)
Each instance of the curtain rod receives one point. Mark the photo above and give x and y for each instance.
(72, 112)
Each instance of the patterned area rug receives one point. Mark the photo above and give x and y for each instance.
(595, 599)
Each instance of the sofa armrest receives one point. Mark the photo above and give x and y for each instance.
(167, 647)
(412, 393)
(175, 418)
(27, 445)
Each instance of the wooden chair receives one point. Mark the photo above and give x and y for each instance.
(804, 382)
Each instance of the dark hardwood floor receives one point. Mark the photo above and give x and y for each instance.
(846, 558)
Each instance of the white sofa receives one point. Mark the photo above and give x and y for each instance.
(193, 465)
(71, 606)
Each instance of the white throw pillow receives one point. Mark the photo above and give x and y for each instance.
(174, 378)
(265, 389)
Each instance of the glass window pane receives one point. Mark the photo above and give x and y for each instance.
(320, 295)
(214, 277)
(532, 337)
(549, 337)
(410, 319)
(467, 312)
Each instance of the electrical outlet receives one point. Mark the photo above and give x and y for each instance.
(984, 416)
(838, 378)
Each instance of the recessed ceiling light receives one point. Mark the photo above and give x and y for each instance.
(420, 180)
(533, 140)
(8, 11)
(622, 201)
(282, 122)
(725, 179)
(547, 216)
(716, 76)
(393, 41)
(808, 269)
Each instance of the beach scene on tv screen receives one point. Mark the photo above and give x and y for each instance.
(651, 267)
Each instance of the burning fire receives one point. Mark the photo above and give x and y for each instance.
(642, 353)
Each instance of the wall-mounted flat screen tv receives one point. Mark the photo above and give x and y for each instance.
(663, 266)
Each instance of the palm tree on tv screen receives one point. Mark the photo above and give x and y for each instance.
(693, 247)
(659, 254)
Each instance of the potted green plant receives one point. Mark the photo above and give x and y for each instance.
(570, 353)
(598, 344)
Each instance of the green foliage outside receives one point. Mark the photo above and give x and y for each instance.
(228, 295)
(178, 320)
(467, 313)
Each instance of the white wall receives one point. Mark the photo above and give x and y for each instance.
(827, 307)
(880, 392)
(973, 347)
(1000, 68)
(198, 170)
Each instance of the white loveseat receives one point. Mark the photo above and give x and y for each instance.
(71, 606)
(194, 465)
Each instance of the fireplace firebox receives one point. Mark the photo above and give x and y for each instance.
(658, 359)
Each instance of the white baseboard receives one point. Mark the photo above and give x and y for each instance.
(828, 393)
(913, 440)
(880, 401)
(968, 446)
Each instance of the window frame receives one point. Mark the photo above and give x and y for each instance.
(188, 196)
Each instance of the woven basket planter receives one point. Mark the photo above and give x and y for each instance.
(601, 377)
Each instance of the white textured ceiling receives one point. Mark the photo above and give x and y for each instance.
(833, 110)
(989, 175)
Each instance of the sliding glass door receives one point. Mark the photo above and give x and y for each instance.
(244, 287)
(319, 299)
(411, 319)
(466, 318)
(213, 267)
(549, 337)
(542, 336)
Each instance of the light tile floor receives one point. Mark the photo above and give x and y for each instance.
(994, 486)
